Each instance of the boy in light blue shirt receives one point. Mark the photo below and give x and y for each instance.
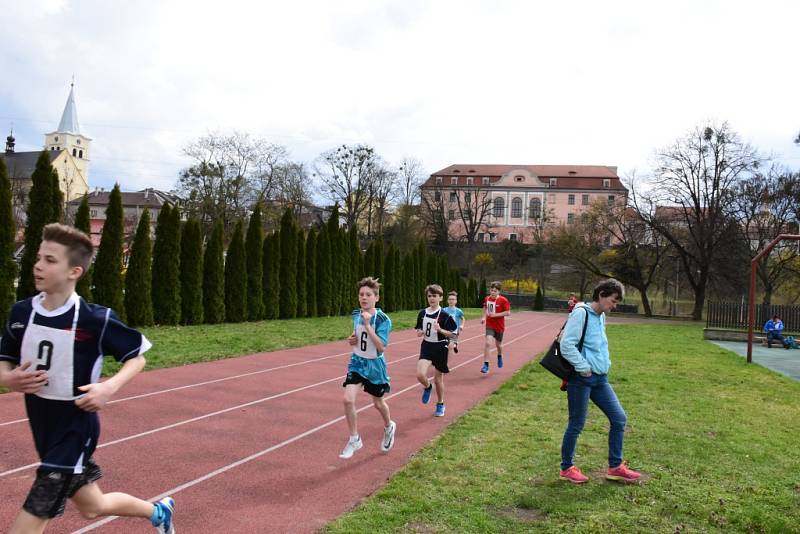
(458, 315)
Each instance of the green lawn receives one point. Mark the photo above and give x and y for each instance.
(718, 439)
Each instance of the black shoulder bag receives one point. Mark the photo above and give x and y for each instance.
(554, 362)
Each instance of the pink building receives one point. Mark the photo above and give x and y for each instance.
(497, 202)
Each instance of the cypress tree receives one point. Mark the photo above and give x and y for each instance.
(408, 280)
(235, 278)
(192, 272)
(481, 293)
(332, 231)
(108, 267)
(324, 282)
(311, 273)
(138, 279)
(214, 277)
(255, 266)
(397, 266)
(8, 231)
(369, 262)
(538, 302)
(272, 261)
(379, 259)
(288, 280)
(57, 199)
(390, 280)
(346, 283)
(166, 264)
(356, 266)
(431, 270)
(300, 273)
(82, 223)
(38, 214)
(472, 293)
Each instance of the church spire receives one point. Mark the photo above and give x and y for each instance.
(69, 119)
(10, 142)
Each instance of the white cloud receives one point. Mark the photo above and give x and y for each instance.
(508, 81)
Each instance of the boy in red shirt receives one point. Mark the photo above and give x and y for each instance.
(495, 309)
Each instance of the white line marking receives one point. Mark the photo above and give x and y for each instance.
(289, 441)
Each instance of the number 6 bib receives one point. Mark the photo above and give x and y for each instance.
(364, 345)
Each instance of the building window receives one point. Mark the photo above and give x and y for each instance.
(481, 236)
(92, 213)
(454, 180)
(467, 197)
(437, 196)
(492, 236)
(80, 154)
(516, 207)
(571, 200)
(519, 178)
(535, 208)
(499, 207)
(610, 200)
(485, 181)
(585, 200)
(451, 215)
(470, 180)
(512, 237)
(570, 218)
(606, 183)
(452, 196)
(553, 182)
(438, 180)
(74, 152)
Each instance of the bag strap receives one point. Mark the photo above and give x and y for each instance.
(583, 334)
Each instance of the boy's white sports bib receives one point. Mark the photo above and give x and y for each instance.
(364, 345)
(52, 350)
(428, 329)
(491, 305)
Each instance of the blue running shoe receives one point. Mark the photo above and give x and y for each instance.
(426, 394)
(439, 410)
(499, 360)
(166, 507)
(485, 368)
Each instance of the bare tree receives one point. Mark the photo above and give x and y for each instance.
(433, 213)
(380, 193)
(346, 174)
(764, 206)
(473, 206)
(693, 183)
(410, 178)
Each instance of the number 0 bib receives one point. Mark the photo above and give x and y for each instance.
(52, 350)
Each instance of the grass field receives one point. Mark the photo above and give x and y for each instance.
(717, 439)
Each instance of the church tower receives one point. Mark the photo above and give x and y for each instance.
(69, 137)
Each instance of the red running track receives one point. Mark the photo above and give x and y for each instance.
(251, 444)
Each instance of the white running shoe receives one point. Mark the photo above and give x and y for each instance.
(388, 436)
(351, 447)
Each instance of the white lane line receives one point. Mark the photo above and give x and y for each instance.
(207, 382)
(289, 441)
(215, 413)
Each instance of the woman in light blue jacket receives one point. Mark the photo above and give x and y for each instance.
(590, 381)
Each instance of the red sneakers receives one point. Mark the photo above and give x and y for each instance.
(622, 474)
(573, 474)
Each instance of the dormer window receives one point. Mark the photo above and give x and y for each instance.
(470, 180)
(606, 183)
(438, 180)
(519, 178)
(553, 182)
(454, 180)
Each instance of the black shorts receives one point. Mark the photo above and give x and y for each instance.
(495, 334)
(437, 356)
(376, 390)
(51, 489)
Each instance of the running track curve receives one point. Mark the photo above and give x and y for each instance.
(251, 444)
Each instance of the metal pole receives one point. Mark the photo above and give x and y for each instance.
(751, 308)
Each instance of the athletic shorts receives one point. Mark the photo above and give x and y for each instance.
(376, 390)
(51, 489)
(495, 334)
(438, 357)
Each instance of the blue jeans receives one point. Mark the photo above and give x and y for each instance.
(775, 336)
(596, 387)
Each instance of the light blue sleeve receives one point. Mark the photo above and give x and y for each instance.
(571, 337)
(383, 329)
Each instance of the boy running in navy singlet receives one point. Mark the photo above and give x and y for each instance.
(434, 326)
(52, 350)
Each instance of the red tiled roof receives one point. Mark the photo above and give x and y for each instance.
(568, 176)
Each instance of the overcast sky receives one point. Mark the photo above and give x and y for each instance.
(523, 82)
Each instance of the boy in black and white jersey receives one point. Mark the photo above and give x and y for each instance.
(434, 326)
(52, 350)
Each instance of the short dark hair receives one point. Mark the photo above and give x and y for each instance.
(607, 288)
(453, 294)
(776, 316)
(79, 247)
(434, 288)
(371, 283)
(496, 284)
